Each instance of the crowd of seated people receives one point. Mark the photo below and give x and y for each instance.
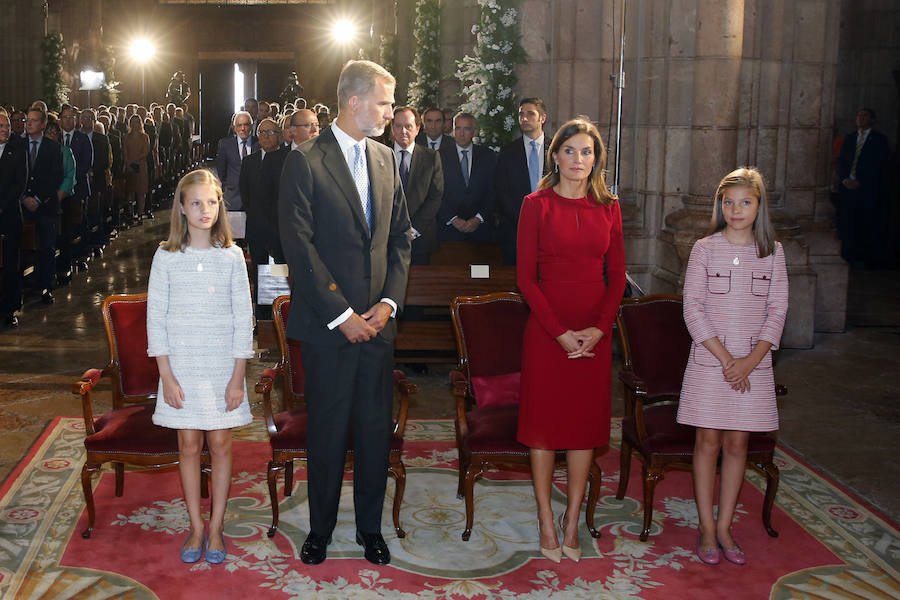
(72, 179)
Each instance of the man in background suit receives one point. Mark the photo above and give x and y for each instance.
(304, 125)
(432, 134)
(861, 166)
(232, 150)
(520, 166)
(41, 202)
(260, 176)
(100, 174)
(344, 223)
(83, 151)
(468, 184)
(423, 183)
(13, 173)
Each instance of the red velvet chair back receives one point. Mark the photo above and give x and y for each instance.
(125, 320)
(290, 348)
(489, 333)
(655, 341)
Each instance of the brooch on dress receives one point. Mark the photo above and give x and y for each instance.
(736, 261)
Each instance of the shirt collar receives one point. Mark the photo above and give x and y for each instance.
(540, 142)
(409, 148)
(344, 140)
(436, 140)
(460, 148)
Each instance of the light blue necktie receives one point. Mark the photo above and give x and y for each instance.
(534, 166)
(361, 179)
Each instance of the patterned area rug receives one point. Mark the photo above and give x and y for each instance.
(830, 546)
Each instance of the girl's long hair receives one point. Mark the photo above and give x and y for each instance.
(179, 236)
(763, 233)
(597, 189)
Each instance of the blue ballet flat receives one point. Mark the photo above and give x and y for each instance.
(215, 557)
(192, 555)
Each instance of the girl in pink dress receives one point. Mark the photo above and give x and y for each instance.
(735, 302)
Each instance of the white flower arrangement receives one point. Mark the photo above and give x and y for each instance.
(488, 77)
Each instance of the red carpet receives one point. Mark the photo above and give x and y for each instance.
(830, 546)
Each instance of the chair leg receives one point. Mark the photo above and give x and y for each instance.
(398, 471)
(272, 477)
(120, 478)
(465, 460)
(593, 494)
(86, 472)
(472, 472)
(624, 469)
(652, 476)
(288, 477)
(772, 478)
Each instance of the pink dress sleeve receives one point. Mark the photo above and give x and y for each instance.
(527, 267)
(695, 290)
(777, 303)
(615, 271)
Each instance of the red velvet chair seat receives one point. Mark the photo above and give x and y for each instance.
(131, 430)
(492, 430)
(291, 436)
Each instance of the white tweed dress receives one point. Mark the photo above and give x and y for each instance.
(199, 314)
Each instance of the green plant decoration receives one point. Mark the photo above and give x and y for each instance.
(426, 67)
(54, 92)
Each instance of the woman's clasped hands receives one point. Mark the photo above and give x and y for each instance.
(579, 344)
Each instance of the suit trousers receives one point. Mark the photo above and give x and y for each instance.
(45, 229)
(11, 271)
(348, 388)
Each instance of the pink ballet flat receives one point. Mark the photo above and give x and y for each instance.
(710, 557)
(733, 555)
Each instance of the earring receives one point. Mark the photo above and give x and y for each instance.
(556, 167)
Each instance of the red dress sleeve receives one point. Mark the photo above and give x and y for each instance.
(527, 266)
(615, 271)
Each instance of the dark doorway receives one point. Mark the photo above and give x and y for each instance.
(271, 77)
(216, 98)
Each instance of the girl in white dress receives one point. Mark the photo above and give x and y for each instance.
(199, 328)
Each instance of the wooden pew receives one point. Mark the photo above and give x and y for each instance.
(425, 333)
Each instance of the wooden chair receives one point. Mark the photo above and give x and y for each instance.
(656, 346)
(287, 429)
(126, 434)
(489, 332)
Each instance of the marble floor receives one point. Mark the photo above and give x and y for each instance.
(841, 414)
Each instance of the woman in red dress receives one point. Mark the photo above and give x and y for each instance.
(571, 271)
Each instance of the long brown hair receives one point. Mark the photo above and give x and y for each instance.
(179, 236)
(597, 189)
(751, 178)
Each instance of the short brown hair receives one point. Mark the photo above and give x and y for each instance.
(597, 189)
(415, 113)
(538, 104)
(179, 236)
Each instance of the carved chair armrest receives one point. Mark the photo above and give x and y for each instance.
(635, 392)
(264, 386)
(461, 392)
(83, 388)
(406, 389)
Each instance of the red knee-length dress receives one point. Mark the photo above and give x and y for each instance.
(563, 246)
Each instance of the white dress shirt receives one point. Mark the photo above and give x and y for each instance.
(433, 144)
(346, 144)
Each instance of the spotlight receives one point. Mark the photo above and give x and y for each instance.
(343, 31)
(142, 50)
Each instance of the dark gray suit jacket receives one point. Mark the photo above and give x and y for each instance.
(228, 167)
(424, 191)
(333, 259)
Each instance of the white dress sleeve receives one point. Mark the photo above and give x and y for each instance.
(158, 305)
(241, 306)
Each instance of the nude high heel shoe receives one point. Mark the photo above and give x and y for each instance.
(554, 554)
(573, 554)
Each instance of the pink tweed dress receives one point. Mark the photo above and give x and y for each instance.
(732, 294)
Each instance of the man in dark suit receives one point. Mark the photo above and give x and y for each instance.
(468, 184)
(41, 202)
(13, 173)
(432, 135)
(344, 229)
(100, 175)
(423, 183)
(83, 151)
(861, 166)
(260, 177)
(520, 166)
(232, 150)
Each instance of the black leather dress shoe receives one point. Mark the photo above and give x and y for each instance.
(11, 322)
(314, 549)
(377, 551)
(47, 297)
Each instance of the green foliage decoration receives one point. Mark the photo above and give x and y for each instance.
(109, 95)
(489, 76)
(54, 92)
(426, 67)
